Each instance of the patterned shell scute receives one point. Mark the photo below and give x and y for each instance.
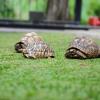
(38, 50)
(85, 45)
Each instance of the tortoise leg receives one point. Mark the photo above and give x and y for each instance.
(81, 54)
(73, 53)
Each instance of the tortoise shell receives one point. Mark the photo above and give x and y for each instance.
(27, 39)
(82, 47)
(31, 34)
(38, 49)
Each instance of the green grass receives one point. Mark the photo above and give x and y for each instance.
(46, 79)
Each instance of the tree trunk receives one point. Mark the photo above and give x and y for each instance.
(57, 10)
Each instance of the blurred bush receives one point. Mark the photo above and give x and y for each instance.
(6, 10)
(19, 9)
(90, 8)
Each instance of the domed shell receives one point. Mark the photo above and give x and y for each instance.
(31, 34)
(38, 50)
(86, 46)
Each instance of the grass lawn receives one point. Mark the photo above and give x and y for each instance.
(46, 79)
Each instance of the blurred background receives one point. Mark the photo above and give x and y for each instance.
(51, 9)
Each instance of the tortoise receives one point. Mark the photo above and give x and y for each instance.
(82, 47)
(38, 49)
(28, 38)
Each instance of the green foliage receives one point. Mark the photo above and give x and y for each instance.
(6, 10)
(90, 8)
(71, 9)
(19, 9)
(38, 5)
(46, 79)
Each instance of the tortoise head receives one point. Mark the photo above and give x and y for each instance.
(19, 46)
(74, 53)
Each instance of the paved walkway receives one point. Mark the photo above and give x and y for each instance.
(94, 33)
